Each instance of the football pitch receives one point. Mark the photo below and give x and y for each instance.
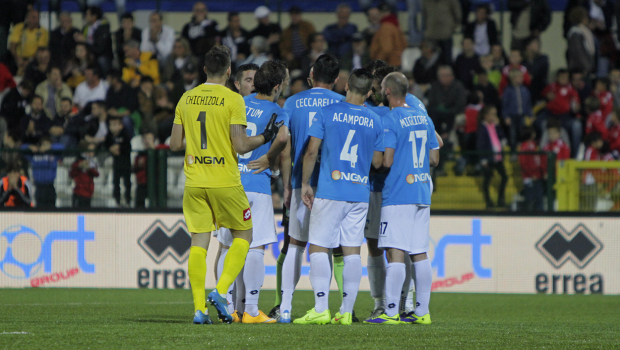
(138, 319)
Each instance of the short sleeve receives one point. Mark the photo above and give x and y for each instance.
(14, 38)
(389, 132)
(317, 129)
(237, 111)
(177, 114)
(283, 116)
(432, 138)
(288, 108)
(379, 146)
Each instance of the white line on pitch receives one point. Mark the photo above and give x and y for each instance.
(7, 333)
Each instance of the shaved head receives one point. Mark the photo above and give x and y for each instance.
(397, 83)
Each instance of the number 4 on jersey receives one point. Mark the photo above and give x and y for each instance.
(345, 154)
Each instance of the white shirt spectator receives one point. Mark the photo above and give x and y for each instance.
(162, 48)
(84, 94)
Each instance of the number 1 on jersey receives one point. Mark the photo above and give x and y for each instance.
(418, 160)
(202, 118)
(345, 155)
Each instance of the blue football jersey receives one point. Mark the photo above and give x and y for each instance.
(302, 108)
(415, 102)
(378, 180)
(411, 133)
(258, 112)
(351, 134)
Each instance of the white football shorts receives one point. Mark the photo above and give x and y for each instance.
(264, 229)
(337, 223)
(405, 227)
(299, 217)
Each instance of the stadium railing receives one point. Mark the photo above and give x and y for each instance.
(592, 186)
(458, 181)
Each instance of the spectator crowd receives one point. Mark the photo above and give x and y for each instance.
(93, 89)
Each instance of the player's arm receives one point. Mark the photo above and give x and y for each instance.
(439, 139)
(271, 157)
(176, 139)
(242, 143)
(312, 152)
(285, 170)
(433, 157)
(388, 157)
(377, 159)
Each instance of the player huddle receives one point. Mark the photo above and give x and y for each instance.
(353, 168)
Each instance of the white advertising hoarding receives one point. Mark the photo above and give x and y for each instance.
(494, 254)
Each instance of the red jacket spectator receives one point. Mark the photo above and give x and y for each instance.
(527, 78)
(6, 78)
(564, 96)
(613, 137)
(531, 164)
(595, 154)
(558, 147)
(140, 168)
(84, 184)
(607, 102)
(471, 117)
(596, 122)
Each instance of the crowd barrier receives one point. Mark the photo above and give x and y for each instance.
(485, 254)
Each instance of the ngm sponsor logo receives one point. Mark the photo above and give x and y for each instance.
(424, 177)
(354, 178)
(559, 246)
(204, 160)
(24, 254)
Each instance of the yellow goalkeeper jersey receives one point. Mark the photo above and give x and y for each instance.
(206, 113)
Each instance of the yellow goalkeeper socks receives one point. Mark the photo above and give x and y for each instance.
(338, 267)
(197, 271)
(235, 259)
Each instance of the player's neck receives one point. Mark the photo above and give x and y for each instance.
(217, 80)
(355, 99)
(398, 102)
(322, 86)
(264, 97)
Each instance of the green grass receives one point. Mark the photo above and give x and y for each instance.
(138, 319)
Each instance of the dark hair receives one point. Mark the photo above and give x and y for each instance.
(530, 40)
(127, 15)
(562, 71)
(52, 67)
(158, 14)
(95, 11)
(473, 98)
(294, 10)
(95, 69)
(118, 119)
(484, 111)
(485, 7)
(554, 123)
(604, 81)
(244, 68)
(376, 64)
(527, 133)
(577, 15)
(146, 79)
(66, 99)
(270, 74)
(312, 37)
(360, 81)
(383, 71)
(27, 84)
(325, 70)
(592, 104)
(116, 74)
(13, 167)
(592, 137)
(35, 96)
(217, 61)
(232, 14)
(100, 103)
